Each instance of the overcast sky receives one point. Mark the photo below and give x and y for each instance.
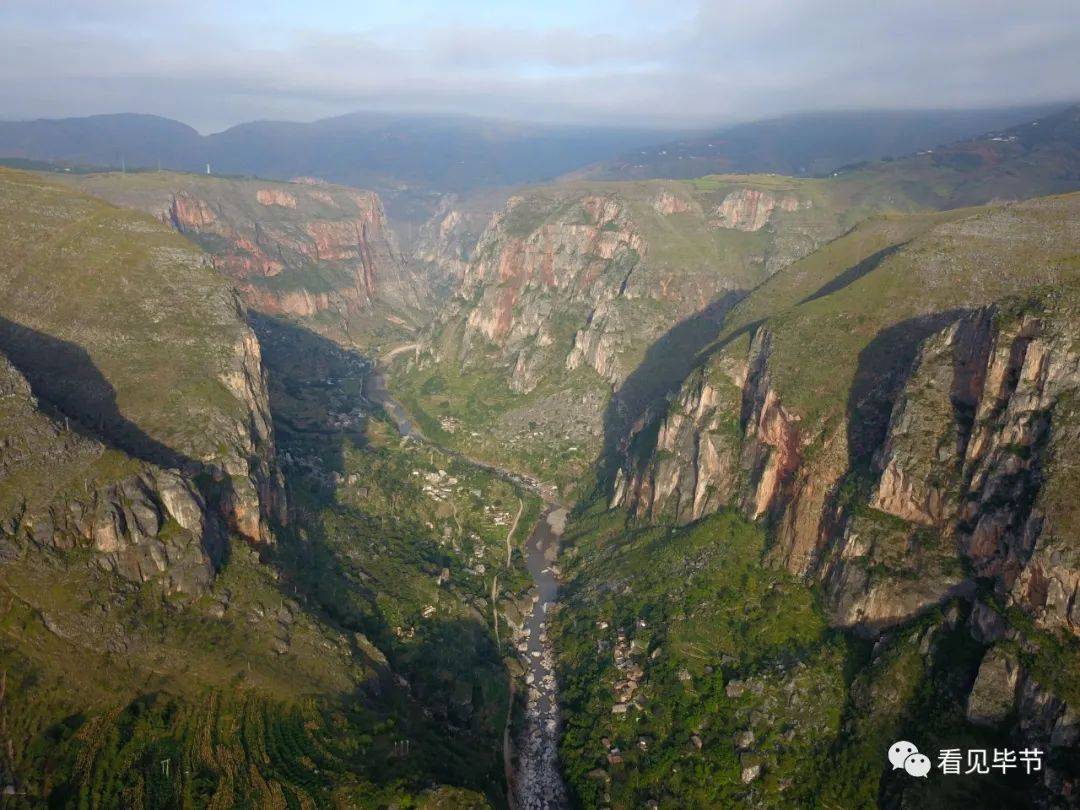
(214, 63)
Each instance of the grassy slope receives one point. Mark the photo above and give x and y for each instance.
(701, 613)
(953, 260)
(739, 670)
(268, 691)
(30, 438)
(235, 203)
(129, 292)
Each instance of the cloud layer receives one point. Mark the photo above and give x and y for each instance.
(633, 62)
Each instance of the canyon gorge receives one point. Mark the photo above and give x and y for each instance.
(600, 493)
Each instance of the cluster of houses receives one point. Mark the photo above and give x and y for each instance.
(438, 485)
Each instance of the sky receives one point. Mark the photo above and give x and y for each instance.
(645, 63)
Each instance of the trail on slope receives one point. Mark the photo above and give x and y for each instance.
(394, 352)
(513, 528)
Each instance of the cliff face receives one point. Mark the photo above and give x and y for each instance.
(750, 209)
(898, 467)
(979, 476)
(590, 277)
(907, 431)
(973, 456)
(726, 440)
(296, 249)
(143, 436)
(521, 285)
(446, 241)
(576, 297)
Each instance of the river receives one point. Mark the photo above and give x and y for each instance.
(538, 783)
(376, 391)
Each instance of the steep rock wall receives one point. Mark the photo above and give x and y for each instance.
(146, 429)
(961, 478)
(296, 249)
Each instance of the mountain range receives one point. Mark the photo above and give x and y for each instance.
(809, 143)
(424, 154)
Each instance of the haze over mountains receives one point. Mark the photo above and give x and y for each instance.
(425, 154)
(443, 153)
(809, 143)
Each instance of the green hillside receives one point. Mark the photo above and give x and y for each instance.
(152, 654)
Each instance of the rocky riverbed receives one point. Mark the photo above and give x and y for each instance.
(539, 784)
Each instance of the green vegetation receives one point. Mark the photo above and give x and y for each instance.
(288, 247)
(356, 660)
(361, 656)
(741, 694)
(732, 663)
(469, 403)
(405, 545)
(356, 664)
(71, 261)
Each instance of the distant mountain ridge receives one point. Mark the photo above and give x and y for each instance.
(809, 143)
(404, 155)
(438, 153)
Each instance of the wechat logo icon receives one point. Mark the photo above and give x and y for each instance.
(904, 755)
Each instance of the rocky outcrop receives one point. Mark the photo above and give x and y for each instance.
(667, 203)
(529, 274)
(750, 209)
(696, 466)
(356, 242)
(727, 440)
(565, 281)
(971, 443)
(275, 196)
(293, 249)
(447, 240)
(964, 475)
(993, 696)
(151, 526)
(255, 497)
(1008, 694)
(147, 524)
(190, 213)
(144, 438)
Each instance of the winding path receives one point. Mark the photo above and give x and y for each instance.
(513, 528)
(394, 352)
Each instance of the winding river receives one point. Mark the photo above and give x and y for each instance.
(538, 783)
